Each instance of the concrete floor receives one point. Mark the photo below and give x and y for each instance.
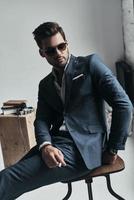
(123, 183)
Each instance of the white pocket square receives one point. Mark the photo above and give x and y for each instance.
(76, 77)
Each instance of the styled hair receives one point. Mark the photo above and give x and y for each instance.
(46, 30)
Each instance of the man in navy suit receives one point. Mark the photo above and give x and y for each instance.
(70, 125)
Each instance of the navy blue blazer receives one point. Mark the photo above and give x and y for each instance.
(89, 83)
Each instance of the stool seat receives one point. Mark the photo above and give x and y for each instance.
(104, 170)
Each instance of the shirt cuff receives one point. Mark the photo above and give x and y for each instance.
(44, 144)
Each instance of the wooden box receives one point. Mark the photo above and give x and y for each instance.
(16, 136)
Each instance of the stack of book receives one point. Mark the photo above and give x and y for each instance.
(13, 106)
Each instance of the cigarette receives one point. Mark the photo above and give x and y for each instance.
(59, 165)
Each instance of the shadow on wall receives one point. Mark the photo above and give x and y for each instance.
(125, 75)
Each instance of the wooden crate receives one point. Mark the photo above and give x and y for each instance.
(16, 136)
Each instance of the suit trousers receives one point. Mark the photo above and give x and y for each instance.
(31, 171)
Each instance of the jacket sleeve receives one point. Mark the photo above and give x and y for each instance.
(43, 119)
(112, 92)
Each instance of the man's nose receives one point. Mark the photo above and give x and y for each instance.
(57, 51)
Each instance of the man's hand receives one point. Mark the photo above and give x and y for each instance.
(108, 158)
(52, 156)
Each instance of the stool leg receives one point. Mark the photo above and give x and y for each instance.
(89, 186)
(110, 188)
(69, 192)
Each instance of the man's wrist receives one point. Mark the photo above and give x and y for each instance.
(44, 144)
(112, 151)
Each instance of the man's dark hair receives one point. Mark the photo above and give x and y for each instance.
(46, 30)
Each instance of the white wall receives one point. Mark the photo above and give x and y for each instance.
(90, 26)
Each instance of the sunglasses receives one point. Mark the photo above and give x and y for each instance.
(51, 51)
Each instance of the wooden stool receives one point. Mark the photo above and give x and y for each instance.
(104, 170)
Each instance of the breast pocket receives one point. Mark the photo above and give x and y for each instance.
(82, 87)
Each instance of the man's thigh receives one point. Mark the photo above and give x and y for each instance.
(31, 173)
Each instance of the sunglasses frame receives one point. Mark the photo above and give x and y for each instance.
(51, 51)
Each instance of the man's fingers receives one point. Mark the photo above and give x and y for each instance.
(52, 162)
(57, 160)
(53, 157)
(60, 159)
(60, 153)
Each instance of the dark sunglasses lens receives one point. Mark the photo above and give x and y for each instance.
(62, 46)
(50, 51)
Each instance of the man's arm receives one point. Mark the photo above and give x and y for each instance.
(112, 92)
(44, 116)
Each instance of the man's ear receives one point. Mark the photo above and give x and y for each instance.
(41, 53)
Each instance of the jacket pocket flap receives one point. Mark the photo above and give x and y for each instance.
(95, 129)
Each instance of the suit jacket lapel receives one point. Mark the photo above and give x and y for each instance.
(75, 70)
(53, 98)
(69, 73)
